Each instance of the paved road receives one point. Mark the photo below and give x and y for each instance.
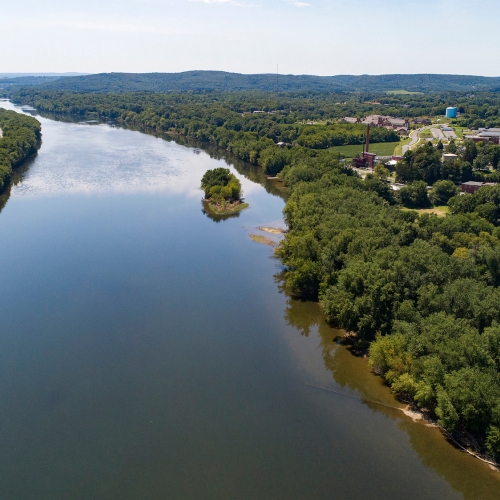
(414, 140)
(437, 133)
(450, 134)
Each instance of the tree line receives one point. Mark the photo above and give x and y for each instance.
(478, 109)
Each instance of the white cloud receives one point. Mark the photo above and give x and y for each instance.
(300, 4)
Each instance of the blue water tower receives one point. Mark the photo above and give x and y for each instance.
(451, 112)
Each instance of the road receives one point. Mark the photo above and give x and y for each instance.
(437, 133)
(414, 140)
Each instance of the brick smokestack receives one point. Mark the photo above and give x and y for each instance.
(367, 146)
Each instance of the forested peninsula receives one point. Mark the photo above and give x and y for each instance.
(20, 138)
(419, 292)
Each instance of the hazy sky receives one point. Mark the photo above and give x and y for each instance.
(323, 37)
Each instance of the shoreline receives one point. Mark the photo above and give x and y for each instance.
(414, 412)
(230, 209)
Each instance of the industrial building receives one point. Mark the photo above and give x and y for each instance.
(422, 121)
(472, 186)
(401, 125)
(451, 112)
(485, 135)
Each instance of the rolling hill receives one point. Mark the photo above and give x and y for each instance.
(222, 81)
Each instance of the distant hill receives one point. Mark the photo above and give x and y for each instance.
(24, 81)
(17, 75)
(222, 81)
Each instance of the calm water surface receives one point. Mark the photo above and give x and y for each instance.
(146, 351)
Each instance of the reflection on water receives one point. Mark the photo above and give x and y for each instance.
(252, 173)
(146, 350)
(351, 376)
(205, 210)
(18, 175)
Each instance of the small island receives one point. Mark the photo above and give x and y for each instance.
(222, 191)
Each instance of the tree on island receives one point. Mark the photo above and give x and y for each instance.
(221, 188)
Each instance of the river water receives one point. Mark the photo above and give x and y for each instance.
(147, 352)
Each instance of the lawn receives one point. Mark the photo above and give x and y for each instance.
(460, 131)
(440, 211)
(398, 150)
(381, 149)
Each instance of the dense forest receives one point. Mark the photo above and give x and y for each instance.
(480, 109)
(420, 292)
(21, 138)
(235, 82)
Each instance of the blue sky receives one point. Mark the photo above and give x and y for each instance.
(323, 37)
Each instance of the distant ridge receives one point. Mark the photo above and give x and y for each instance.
(18, 75)
(30, 79)
(223, 81)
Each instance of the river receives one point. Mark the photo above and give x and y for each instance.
(147, 351)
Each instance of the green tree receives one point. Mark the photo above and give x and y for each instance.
(442, 191)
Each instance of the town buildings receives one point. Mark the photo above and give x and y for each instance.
(485, 135)
(472, 186)
(400, 125)
(422, 121)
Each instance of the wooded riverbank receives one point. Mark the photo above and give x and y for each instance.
(21, 137)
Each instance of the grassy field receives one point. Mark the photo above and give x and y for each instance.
(381, 149)
(398, 150)
(440, 211)
(425, 134)
(460, 131)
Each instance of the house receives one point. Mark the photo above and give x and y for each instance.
(391, 165)
(449, 157)
(485, 135)
(471, 186)
(422, 121)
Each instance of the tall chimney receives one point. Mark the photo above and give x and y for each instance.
(367, 147)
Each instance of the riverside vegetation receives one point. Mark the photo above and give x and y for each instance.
(21, 138)
(222, 191)
(420, 292)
